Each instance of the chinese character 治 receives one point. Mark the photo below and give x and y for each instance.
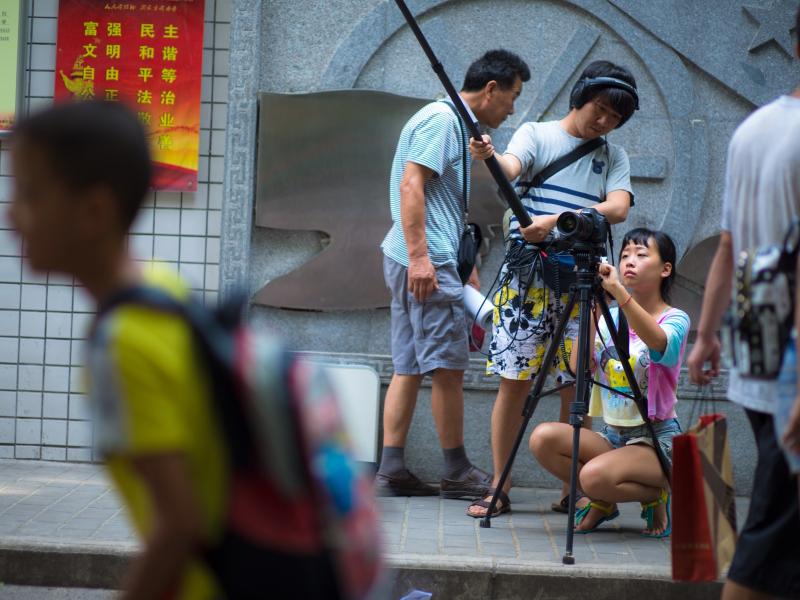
(169, 75)
(170, 53)
(144, 97)
(167, 97)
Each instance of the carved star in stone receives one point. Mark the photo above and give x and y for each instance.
(775, 23)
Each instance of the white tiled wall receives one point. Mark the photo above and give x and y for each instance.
(43, 414)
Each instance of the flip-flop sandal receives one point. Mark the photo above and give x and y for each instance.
(562, 506)
(502, 507)
(609, 512)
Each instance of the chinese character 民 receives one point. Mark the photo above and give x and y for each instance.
(165, 142)
(166, 120)
(113, 51)
(112, 94)
(112, 74)
(169, 75)
(146, 52)
(170, 53)
(145, 73)
(147, 30)
(144, 97)
(114, 29)
(167, 97)
(90, 28)
(171, 32)
(89, 51)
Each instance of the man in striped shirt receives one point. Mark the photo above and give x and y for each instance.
(428, 195)
(526, 312)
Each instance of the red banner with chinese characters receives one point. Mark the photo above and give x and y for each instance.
(147, 55)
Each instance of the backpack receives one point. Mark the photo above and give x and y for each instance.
(761, 315)
(300, 519)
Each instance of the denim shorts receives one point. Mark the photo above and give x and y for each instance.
(787, 392)
(627, 436)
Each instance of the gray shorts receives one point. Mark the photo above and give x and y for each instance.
(429, 335)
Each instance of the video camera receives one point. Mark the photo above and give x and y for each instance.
(585, 230)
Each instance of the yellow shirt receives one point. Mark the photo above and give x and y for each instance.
(152, 396)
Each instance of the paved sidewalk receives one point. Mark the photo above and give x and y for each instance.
(60, 508)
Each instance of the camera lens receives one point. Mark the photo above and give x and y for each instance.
(575, 225)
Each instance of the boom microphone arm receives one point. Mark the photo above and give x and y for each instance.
(508, 193)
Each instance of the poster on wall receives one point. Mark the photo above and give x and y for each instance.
(148, 55)
(11, 68)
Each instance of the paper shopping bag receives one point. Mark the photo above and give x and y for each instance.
(703, 508)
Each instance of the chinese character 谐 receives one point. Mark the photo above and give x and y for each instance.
(170, 53)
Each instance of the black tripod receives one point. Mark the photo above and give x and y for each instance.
(586, 288)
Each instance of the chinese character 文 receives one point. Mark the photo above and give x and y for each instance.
(166, 120)
(169, 75)
(90, 28)
(147, 30)
(145, 73)
(89, 51)
(112, 94)
(170, 53)
(167, 97)
(171, 32)
(165, 142)
(113, 51)
(114, 29)
(144, 97)
(146, 52)
(112, 74)
(144, 117)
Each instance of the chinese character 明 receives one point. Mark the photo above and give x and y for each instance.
(112, 74)
(90, 28)
(166, 120)
(88, 74)
(113, 51)
(114, 29)
(89, 51)
(144, 97)
(144, 117)
(112, 94)
(147, 30)
(169, 75)
(170, 53)
(171, 32)
(146, 52)
(145, 73)
(165, 142)
(167, 97)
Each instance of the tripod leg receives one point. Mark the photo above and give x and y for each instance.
(531, 402)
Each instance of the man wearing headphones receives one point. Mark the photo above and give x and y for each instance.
(526, 312)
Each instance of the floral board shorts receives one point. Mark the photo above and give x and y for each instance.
(523, 327)
(627, 436)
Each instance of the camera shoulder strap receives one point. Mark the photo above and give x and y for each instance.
(463, 145)
(557, 165)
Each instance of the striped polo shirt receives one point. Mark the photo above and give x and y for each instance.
(432, 138)
(582, 184)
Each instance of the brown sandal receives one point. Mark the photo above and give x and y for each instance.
(500, 508)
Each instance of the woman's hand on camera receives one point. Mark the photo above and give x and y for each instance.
(609, 278)
(481, 150)
(539, 229)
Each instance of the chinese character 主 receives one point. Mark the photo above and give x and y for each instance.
(145, 73)
(90, 28)
(169, 75)
(170, 53)
(114, 29)
(167, 97)
(144, 97)
(171, 32)
(166, 120)
(146, 52)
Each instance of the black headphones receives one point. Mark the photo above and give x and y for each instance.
(580, 90)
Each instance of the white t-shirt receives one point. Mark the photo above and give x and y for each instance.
(762, 196)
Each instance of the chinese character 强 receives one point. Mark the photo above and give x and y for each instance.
(114, 30)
